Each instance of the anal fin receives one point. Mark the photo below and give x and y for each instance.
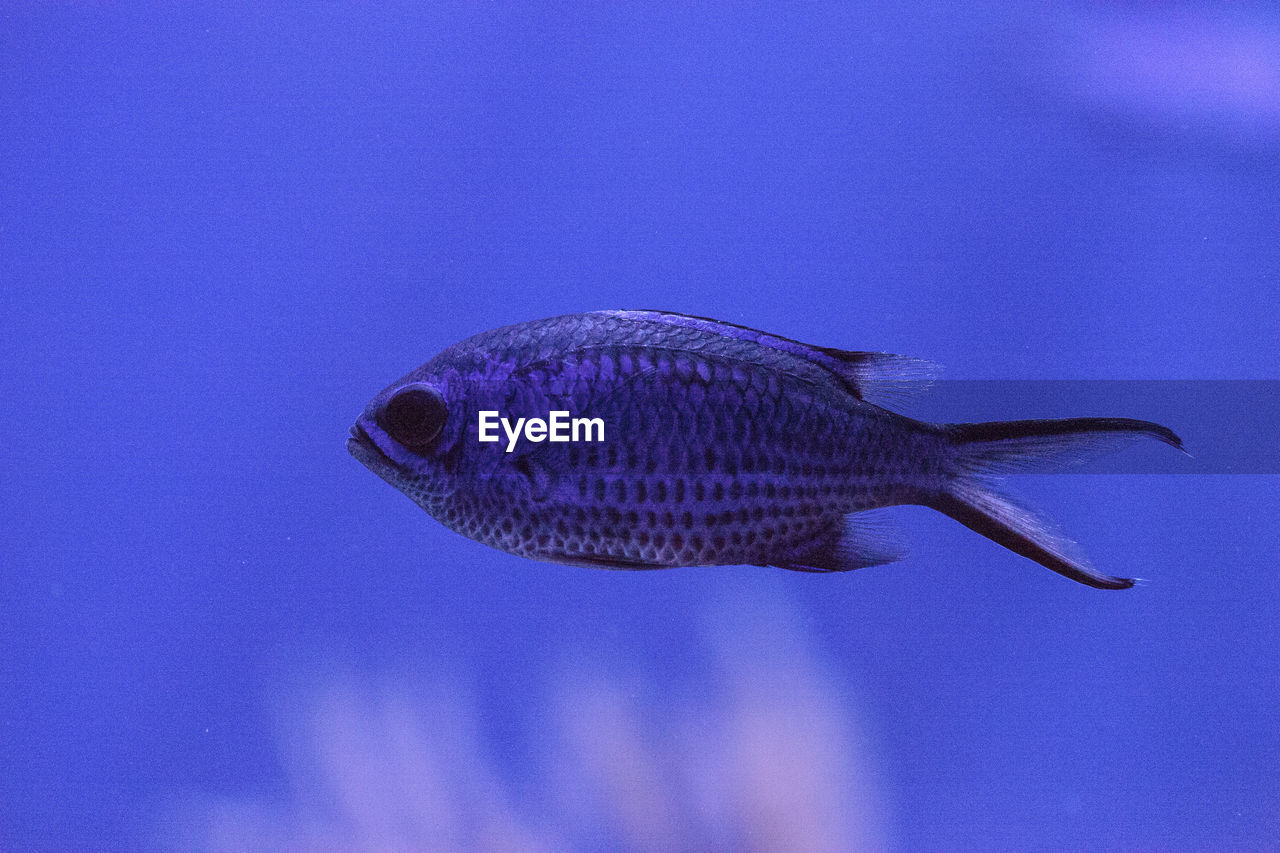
(863, 539)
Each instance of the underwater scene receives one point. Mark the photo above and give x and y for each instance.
(539, 427)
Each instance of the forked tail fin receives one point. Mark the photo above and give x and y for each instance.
(983, 450)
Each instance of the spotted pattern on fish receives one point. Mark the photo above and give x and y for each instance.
(722, 445)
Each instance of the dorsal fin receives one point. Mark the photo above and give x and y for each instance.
(873, 376)
(882, 375)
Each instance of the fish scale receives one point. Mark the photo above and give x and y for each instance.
(746, 438)
(722, 445)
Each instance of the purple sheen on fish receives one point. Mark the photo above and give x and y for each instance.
(721, 445)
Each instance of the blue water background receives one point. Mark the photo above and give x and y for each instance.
(224, 227)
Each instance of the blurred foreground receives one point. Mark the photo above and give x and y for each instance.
(762, 752)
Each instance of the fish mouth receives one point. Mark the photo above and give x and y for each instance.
(366, 450)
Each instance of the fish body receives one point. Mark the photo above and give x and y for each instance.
(721, 444)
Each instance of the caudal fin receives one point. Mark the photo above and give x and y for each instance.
(984, 450)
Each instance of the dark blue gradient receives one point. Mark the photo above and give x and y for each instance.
(223, 227)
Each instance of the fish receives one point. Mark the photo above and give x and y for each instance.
(720, 444)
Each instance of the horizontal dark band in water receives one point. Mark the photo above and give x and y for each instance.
(1228, 426)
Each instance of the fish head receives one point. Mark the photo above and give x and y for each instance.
(409, 435)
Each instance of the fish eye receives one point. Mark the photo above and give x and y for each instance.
(415, 416)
